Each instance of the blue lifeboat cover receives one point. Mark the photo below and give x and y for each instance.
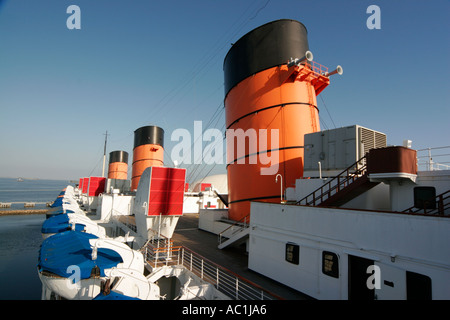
(58, 203)
(114, 296)
(59, 223)
(72, 248)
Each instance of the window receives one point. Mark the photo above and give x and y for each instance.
(418, 286)
(292, 253)
(425, 198)
(330, 264)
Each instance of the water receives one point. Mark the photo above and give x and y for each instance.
(20, 237)
(44, 191)
(20, 240)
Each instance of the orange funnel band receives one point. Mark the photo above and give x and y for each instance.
(118, 170)
(148, 151)
(272, 108)
(149, 155)
(118, 165)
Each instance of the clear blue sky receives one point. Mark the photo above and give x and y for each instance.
(146, 62)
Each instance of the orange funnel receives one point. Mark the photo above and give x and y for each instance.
(148, 151)
(118, 165)
(269, 107)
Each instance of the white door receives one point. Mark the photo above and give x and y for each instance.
(392, 284)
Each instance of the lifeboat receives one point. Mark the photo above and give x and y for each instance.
(75, 265)
(71, 221)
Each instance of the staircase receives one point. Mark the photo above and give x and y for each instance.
(238, 237)
(237, 233)
(346, 186)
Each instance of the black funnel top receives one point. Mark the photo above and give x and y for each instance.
(267, 46)
(149, 135)
(118, 156)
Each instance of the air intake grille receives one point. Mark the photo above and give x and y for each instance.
(371, 139)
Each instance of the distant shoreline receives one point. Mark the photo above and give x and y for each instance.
(22, 212)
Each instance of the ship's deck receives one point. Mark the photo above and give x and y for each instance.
(234, 259)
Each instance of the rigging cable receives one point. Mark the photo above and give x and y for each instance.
(326, 108)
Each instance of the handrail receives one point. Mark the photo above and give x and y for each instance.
(245, 226)
(360, 170)
(224, 280)
(427, 160)
(159, 251)
(442, 205)
(317, 68)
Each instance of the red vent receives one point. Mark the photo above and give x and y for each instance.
(96, 186)
(166, 191)
(85, 185)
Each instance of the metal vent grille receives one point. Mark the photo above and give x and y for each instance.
(371, 139)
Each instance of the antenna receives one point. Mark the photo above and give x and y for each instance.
(104, 154)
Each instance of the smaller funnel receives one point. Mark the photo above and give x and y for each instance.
(118, 165)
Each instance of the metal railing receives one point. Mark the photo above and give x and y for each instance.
(239, 226)
(342, 180)
(160, 252)
(317, 68)
(436, 206)
(426, 158)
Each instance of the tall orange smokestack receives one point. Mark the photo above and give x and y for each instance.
(148, 151)
(263, 93)
(118, 165)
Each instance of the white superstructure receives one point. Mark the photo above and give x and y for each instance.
(378, 230)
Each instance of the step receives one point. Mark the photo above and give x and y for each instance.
(240, 236)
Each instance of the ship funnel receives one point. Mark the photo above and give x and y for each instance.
(118, 165)
(308, 56)
(269, 107)
(339, 70)
(148, 151)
